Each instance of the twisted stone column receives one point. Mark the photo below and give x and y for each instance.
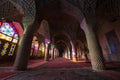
(71, 53)
(74, 54)
(47, 52)
(95, 52)
(24, 50)
(67, 54)
(52, 54)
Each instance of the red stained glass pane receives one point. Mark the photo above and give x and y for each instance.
(11, 24)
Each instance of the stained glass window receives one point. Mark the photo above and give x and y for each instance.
(8, 38)
(0, 42)
(4, 50)
(12, 50)
(8, 32)
(7, 29)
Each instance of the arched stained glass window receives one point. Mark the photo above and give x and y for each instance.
(8, 29)
(8, 38)
(8, 32)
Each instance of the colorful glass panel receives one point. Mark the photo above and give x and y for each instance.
(0, 42)
(7, 29)
(0, 23)
(16, 36)
(5, 48)
(4, 37)
(11, 50)
(15, 40)
(8, 38)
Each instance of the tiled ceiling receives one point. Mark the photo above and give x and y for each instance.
(87, 7)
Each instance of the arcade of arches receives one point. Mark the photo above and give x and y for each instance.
(47, 29)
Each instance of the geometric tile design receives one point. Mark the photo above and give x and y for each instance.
(28, 7)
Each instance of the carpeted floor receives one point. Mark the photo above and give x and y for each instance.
(6, 69)
(63, 63)
(61, 69)
(61, 74)
(4, 75)
(31, 62)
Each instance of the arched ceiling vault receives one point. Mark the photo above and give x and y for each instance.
(61, 46)
(9, 9)
(62, 15)
(59, 19)
(40, 37)
(61, 37)
(62, 42)
(87, 7)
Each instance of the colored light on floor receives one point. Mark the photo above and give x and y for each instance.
(74, 59)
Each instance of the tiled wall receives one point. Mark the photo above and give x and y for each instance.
(105, 28)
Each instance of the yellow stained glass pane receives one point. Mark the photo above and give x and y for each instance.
(8, 38)
(15, 40)
(4, 49)
(0, 35)
(3, 36)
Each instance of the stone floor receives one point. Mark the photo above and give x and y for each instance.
(59, 69)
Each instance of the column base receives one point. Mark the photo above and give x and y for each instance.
(19, 68)
(98, 69)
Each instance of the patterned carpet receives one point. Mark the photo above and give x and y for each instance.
(4, 75)
(6, 69)
(61, 74)
(60, 69)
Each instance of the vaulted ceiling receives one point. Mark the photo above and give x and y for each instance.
(88, 7)
(63, 16)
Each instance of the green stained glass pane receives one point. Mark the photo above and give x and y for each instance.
(4, 50)
(0, 42)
